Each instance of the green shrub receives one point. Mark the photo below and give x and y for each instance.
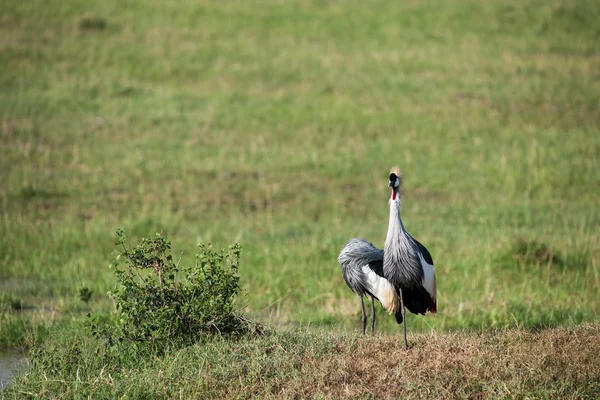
(85, 294)
(161, 302)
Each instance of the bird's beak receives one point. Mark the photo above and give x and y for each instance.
(391, 184)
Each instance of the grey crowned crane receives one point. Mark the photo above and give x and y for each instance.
(407, 264)
(402, 275)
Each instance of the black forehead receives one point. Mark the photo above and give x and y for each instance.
(393, 177)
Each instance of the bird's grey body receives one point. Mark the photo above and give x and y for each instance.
(362, 268)
(356, 254)
(401, 266)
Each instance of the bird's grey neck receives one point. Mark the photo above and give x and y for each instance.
(401, 265)
(395, 226)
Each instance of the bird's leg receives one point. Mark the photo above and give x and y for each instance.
(403, 318)
(364, 315)
(372, 315)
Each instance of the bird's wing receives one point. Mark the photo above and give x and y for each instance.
(424, 252)
(377, 266)
(379, 287)
(429, 282)
(362, 267)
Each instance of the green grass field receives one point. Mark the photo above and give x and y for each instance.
(274, 124)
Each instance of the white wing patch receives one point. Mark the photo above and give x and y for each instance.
(382, 289)
(428, 277)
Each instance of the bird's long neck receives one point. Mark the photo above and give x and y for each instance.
(395, 226)
(401, 263)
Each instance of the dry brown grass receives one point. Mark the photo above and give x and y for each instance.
(553, 362)
(549, 363)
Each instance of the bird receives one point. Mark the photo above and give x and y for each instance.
(405, 284)
(407, 264)
(362, 269)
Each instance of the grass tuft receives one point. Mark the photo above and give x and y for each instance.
(524, 254)
(30, 193)
(90, 23)
(535, 253)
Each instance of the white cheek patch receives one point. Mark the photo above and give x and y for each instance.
(397, 183)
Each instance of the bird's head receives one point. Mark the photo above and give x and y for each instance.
(395, 182)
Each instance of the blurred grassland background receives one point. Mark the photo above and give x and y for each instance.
(274, 124)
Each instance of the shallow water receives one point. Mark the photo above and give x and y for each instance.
(10, 362)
